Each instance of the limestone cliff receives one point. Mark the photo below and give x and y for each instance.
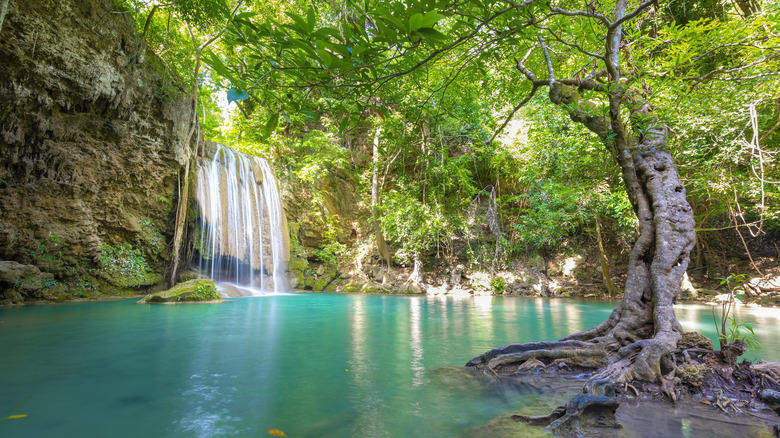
(91, 143)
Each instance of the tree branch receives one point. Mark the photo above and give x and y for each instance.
(149, 18)
(593, 14)
(224, 28)
(614, 36)
(520, 65)
(550, 71)
(566, 43)
(632, 14)
(512, 113)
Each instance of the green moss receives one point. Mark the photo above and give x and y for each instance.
(198, 290)
(352, 288)
(191, 275)
(692, 374)
(321, 283)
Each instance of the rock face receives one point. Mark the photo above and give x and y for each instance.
(92, 135)
(327, 209)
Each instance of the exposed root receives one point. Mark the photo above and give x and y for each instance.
(724, 404)
(572, 353)
(628, 386)
(668, 365)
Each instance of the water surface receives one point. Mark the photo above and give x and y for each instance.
(311, 365)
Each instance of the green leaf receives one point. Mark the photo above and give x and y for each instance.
(234, 94)
(273, 122)
(324, 57)
(301, 25)
(310, 18)
(431, 18)
(218, 66)
(415, 21)
(432, 34)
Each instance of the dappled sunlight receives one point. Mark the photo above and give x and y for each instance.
(570, 264)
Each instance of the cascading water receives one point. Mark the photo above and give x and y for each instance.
(240, 216)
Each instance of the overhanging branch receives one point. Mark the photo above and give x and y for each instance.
(512, 113)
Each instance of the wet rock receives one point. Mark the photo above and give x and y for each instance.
(771, 398)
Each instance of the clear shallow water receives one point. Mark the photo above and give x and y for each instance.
(311, 365)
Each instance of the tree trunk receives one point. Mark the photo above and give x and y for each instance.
(379, 237)
(635, 342)
(611, 289)
(181, 212)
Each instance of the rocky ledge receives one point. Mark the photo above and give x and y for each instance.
(192, 291)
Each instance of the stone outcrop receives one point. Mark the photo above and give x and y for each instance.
(92, 136)
(192, 291)
(17, 279)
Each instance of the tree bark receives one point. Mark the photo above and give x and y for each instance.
(379, 237)
(611, 289)
(181, 212)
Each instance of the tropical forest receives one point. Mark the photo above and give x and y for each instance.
(390, 218)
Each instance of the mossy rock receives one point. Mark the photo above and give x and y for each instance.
(334, 286)
(321, 283)
(191, 275)
(137, 280)
(298, 265)
(192, 291)
(351, 288)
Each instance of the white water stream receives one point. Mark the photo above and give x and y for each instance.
(240, 218)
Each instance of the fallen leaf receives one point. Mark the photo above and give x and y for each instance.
(13, 417)
(276, 432)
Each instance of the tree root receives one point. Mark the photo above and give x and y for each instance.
(724, 403)
(581, 411)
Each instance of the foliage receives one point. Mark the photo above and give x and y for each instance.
(331, 252)
(498, 284)
(204, 292)
(123, 261)
(311, 81)
(154, 242)
(741, 331)
(48, 254)
(730, 329)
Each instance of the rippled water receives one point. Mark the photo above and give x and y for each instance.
(311, 365)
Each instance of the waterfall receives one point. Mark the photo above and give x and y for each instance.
(240, 223)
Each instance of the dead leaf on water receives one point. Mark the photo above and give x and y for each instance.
(276, 432)
(14, 417)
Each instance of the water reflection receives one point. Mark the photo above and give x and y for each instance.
(765, 323)
(365, 409)
(483, 311)
(415, 340)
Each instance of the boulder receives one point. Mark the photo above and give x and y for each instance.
(23, 278)
(191, 291)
